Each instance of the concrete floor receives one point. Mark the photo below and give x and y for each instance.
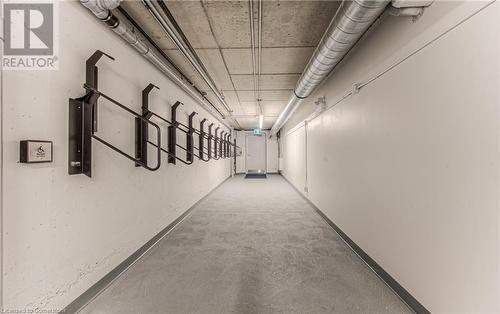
(253, 246)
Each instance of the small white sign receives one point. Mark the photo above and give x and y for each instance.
(36, 151)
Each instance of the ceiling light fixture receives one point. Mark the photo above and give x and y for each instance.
(261, 120)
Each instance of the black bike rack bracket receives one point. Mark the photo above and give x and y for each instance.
(200, 140)
(209, 142)
(91, 79)
(222, 144)
(142, 129)
(80, 135)
(216, 140)
(82, 119)
(189, 138)
(172, 135)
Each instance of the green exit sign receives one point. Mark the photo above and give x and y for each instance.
(257, 132)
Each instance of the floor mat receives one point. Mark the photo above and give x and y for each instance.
(255, 176)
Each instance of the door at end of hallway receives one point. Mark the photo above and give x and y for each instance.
(255, 157)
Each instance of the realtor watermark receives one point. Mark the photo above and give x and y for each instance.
(30, 35)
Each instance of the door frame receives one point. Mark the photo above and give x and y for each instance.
(264, 135)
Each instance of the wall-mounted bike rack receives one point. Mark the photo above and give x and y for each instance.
(83, 124)
(174, 125)
(83, 127)
(172, 134)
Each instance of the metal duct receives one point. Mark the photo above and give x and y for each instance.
(350, 22)
(102, 10)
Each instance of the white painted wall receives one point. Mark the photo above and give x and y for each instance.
(272, 155)
(272, 152)
(294, 158)
(409, 167)
(63, 233)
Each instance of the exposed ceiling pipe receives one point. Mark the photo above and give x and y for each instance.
(183, 38)
(259, 70)
(252, 43)
(350, 22)
(102, 10)
(156, 10)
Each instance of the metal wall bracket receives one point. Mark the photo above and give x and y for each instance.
(210, 137)
(234, 151)
(80, 131)
(222, 144)
(142, 128)
(175, 126)
(216, 140)
(201, 140)
(189, 138)
(91, 79)
(172, 134)
(82, 117)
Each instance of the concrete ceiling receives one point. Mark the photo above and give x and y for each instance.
(220, 33)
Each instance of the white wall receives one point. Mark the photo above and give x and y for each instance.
(63, 233)
(271, 157)
(409, 167)
(294, 158)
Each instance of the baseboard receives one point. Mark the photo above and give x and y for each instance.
(82, 300)
(239, 173)
(401, 292)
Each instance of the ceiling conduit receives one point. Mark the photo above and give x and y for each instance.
(350, 22)
(157, 8)
(102, 10)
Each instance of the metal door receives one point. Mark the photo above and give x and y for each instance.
(255, 157)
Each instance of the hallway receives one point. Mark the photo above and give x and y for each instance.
(127, 129)
(245, 250)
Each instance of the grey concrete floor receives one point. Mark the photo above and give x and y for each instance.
(252, 246)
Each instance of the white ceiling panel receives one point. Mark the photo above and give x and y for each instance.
(239, 61)
(272, 107)
(230, 22)
(231, 97)
(186, 68)
(268, 81)
(266, 95)
(249, 123)
(285, 60)
(212, 59)
(215, 101)
(191, 17)
(243, 82)
(279, 81)
(296, 23)
(250, 108)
